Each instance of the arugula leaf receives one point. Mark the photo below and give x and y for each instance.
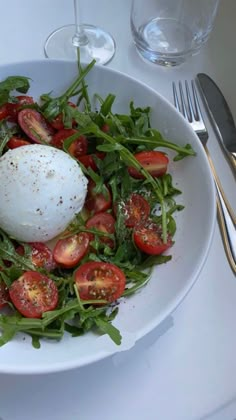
(6, 133)
(107, 105)
(18, 83)
(109, 329)
(7, 335)
(55, 106)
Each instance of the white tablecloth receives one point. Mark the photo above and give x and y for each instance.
(186, 369)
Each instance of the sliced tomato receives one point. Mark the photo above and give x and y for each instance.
(105, 128)
(88, 160)
(4, 294)
(70, 250)
(77, 148)
(15, 142)
(41, 255)
(35, 126)
(61, 135)
(148, 238)
(97, 202)
(99, 280)
(4, 112)
(136, 209)
(33, 294)
(57, 122)
(14, 108)
(153, 161)
(104, 222)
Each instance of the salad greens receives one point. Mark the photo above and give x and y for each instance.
(125, 135)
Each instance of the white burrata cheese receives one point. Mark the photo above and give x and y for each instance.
(41, 190)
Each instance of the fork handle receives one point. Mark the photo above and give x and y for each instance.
(226, 218)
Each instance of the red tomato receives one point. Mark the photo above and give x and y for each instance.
(88, 160)
(41, 255)
(69, 251)
(97, 202)
(33, 294)
(148, 238)
(57, 122)
(14, 108)
(153, 161)
(61, 135)
(35, 125)
(15, 142)
(135, 210)
(4, 295)
(4, 112)
(99, 280)
(105, 128)
(104, 222)
(77, 148)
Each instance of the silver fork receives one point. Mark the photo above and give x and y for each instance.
(187, 103)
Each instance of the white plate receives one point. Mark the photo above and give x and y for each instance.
(170, 282)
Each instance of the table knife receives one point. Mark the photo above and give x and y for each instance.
(220, 116)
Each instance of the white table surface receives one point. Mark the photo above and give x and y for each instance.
(186, 369)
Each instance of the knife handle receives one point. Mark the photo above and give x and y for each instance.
(226, 218)
(232, 157)
(228, 230)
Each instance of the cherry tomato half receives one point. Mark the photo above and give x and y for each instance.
(153, 161)
(69, 251)
(33, 294)
(97, 202)
(4, 112)
(104, 222)
(105, 128)
(99, 280)
(148, 238)
(14, 108)
(4, 294)
(15, 142)
(77, 148)
(88, 160)
(41, 255)
(35, 125)
(136, 209)
(57, 122)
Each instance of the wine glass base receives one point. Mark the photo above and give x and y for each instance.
(100, 46)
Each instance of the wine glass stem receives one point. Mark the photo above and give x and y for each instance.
(80, 38)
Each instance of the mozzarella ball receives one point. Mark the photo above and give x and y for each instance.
(41, 191)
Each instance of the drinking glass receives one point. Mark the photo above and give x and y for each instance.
(92, 42)
(167, 32)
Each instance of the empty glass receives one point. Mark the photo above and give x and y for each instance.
(166, 32)
(93, 42)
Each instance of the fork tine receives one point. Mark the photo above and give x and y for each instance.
(183, 104)
(198, 114)
(192, 113)
(176, 99)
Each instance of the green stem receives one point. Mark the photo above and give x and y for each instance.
(71, 90)
(158, 143)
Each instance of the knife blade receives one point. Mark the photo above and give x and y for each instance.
(220, 115)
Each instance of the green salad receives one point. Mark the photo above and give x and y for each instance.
(125, 227)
